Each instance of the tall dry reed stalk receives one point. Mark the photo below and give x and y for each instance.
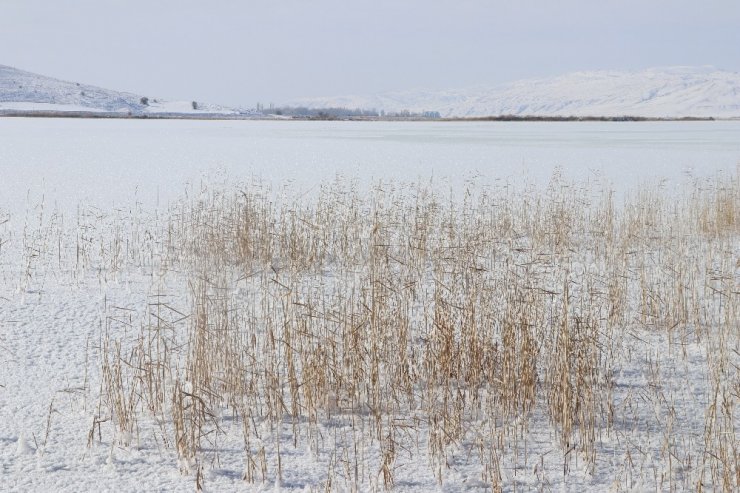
(436, 326)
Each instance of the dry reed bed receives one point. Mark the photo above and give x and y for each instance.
(407, 326)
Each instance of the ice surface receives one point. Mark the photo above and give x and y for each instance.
(116, 162)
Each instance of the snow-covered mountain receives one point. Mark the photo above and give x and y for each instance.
(672, 92)
(659, 92)
(29, 92)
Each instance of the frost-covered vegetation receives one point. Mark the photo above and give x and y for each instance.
(505, 338)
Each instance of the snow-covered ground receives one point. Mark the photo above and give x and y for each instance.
(88, 213)
(659, 92)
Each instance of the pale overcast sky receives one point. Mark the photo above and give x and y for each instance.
(242, 52)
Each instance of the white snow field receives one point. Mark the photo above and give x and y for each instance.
(369, 306)
(115, 163)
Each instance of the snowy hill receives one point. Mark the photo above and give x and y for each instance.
(28, 92)
(660, 92)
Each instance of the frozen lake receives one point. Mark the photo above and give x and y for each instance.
(111, 162)
(642, 337)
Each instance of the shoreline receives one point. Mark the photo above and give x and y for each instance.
(220, 116)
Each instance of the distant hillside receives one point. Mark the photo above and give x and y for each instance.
(672, 92)
(29, 92)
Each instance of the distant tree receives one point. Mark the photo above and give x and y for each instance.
(195, 105)
(144, 101)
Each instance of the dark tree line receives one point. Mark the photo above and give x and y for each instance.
(341, 112)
